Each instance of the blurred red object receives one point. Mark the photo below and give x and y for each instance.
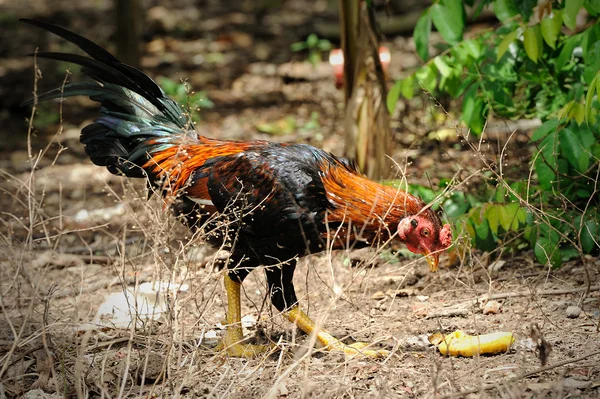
(336, 59)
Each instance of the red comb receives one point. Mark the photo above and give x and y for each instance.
(446, 236)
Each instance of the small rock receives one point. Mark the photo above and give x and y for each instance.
(379, 295)
(419, 309)
(492, 307)
(496, 266)
(248, 321)
(563, 304)
(573, 312)
(422, 298)
(417, 343)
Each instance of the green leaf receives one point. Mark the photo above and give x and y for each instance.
(312, 40)
(565, 111)
(571, 10)
(549, 232)
(588, 236)
(545, 161)
(521, 216)
(573, 151)
(505, 43)
(442, 67)
(566, 53)
(551, 28)
(568, 252)
(473, 48)
(547, 252)
(589, 40)
(593, 5)
(449, 20)
(591, 62)
(578, 112)
(456, 205)
(298, 46)
(470, 231)
(426, 193)
(324, 45)
(532, 40)
(408, 87)
(509, 219)
(314, 57)
(586, 136)
(589, 97)
(544, 129)
(465, 83)
(421, 35)
(482, 230)
(168, 85)
(525, 7)
(500, 194)
(492, 215)
(473, 108)
(426, 76)
(393, 95)
(505, 9)
(545, 174)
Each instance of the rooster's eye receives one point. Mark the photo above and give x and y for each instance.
(414, 223)
(425, 232)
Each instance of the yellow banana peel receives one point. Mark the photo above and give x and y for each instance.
(460, 344)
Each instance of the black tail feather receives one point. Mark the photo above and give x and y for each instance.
(108, 69)
(91, 48)
(137, 119)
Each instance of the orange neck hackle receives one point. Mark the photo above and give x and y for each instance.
(372, 208)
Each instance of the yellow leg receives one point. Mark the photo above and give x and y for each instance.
(329, 342)
(234, 336)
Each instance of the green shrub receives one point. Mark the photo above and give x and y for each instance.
(535, 64)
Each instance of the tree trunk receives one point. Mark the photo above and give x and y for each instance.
(129, 31)
(368, 132)
(349, 15)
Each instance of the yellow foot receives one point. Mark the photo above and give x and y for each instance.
(360, 349)
(233, 340)
(328, 341)
(236, 348)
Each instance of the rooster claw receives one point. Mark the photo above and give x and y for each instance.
(360, 349)
(233, 344)
(238, 349)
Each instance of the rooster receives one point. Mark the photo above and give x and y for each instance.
(284, 201)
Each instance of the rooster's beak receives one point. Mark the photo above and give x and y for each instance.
(433, 260)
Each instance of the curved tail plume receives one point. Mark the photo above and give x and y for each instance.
(137, 119)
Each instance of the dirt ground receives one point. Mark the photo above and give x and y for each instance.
(80, 247)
